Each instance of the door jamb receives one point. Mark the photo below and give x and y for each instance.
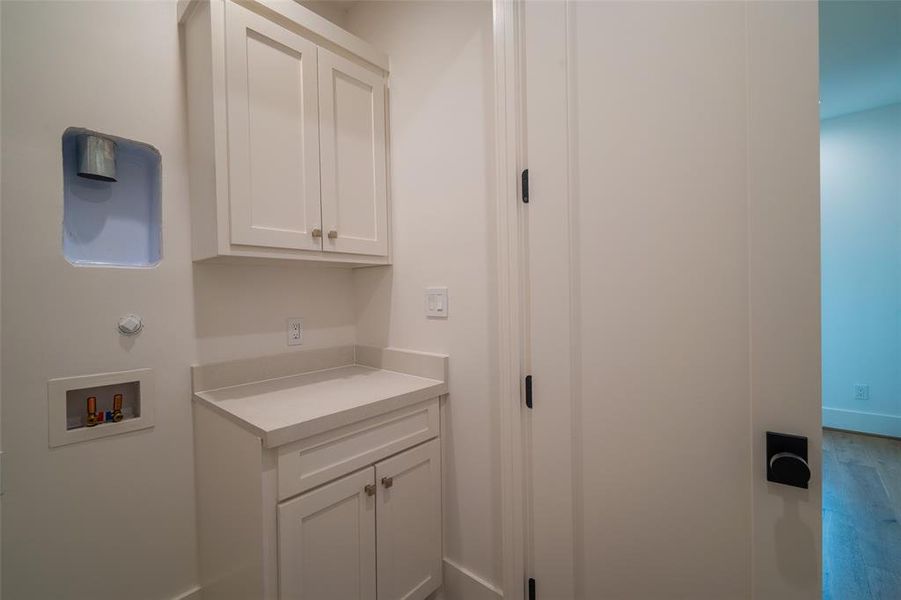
(510, 296)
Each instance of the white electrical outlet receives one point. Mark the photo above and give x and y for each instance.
(861, 391)
(295, 332)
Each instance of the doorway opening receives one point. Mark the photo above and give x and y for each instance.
(860, 154)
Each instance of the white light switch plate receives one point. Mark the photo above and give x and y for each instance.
(295, 332)
(436, 302)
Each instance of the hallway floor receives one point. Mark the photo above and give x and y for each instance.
(861, 514)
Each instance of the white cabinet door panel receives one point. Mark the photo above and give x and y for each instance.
(409, 523)
(326, 541)
(353, 163)
(273, 133)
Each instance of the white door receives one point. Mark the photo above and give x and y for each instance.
(273, 133)
(354, 169)
(409, 523)
(674, 297)
(326, 542)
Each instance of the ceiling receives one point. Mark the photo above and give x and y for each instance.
(860, 55)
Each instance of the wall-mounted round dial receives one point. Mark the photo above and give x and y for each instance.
(130, 325)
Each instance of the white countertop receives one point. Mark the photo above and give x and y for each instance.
(287, 409)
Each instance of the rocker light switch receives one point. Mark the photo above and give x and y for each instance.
(436, 302)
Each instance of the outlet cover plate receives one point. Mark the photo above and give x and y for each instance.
(861, 391)
(294, 332)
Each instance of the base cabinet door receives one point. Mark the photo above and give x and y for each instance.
(327, 541)
(409, 523)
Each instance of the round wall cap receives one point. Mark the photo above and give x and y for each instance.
(130, 325)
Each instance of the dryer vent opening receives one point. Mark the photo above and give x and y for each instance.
(96, 157)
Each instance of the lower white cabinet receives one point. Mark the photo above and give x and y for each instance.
(380, 524)
(349, 513)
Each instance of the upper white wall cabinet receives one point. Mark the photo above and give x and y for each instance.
(288, 140)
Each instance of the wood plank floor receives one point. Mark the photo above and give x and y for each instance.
(861, 517)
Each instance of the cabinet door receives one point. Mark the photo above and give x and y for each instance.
(354, 170)
(326, 542)
(409, 523)
(273, 134)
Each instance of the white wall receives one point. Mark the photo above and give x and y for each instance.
(861, 248)
(443, 227)
(242, 310)
(114, 518)
(334, 11)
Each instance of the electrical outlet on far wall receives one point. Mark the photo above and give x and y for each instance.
(295, 332)
(861, 391)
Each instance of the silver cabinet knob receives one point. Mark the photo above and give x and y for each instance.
(369, 489)
(317, 233)
(332, 234)
(387, 481)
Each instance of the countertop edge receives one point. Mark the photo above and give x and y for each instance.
(250, 427)
(306, 429)
(328, 422)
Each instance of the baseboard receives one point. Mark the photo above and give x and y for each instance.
(459, 584)
(864, 422)
(462, 584)
(193, 594)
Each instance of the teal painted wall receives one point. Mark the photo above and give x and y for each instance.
(861, 262)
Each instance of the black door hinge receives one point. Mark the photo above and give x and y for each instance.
(525, 186)
(532, 588)
(528, 386)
